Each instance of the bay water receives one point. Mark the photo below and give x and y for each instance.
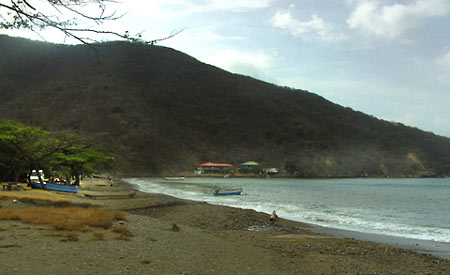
(409, 208)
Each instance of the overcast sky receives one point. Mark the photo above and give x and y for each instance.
(387, 58)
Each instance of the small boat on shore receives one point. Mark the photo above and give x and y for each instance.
(174, 178)
(56, 187)
(217, 192)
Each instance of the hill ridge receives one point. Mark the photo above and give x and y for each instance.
(161, 111)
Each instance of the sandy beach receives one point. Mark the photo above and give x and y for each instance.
(173, 236)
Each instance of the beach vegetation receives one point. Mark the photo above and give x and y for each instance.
(65, 218)
(24, 148)
(43, 198)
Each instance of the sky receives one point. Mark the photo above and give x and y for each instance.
(386, 58)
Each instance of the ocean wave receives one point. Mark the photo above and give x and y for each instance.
(328, 213)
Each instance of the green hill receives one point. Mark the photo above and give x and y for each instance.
(162, 111)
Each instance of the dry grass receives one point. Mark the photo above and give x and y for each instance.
(67, 218)
(44, 198)
(31, 197)
(36, 198)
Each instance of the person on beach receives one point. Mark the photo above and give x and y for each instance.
(273, 216)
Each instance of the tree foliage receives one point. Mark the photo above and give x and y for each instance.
(80, 158)
(23, 148)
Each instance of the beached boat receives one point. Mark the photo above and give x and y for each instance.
(217, 192)
(56, 187)
(174, 178)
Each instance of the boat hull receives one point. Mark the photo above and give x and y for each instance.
(174, 178)
(56, 187)
(232, 193)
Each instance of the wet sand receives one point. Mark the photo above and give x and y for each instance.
(174, 236)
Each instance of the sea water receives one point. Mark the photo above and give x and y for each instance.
(409, 208)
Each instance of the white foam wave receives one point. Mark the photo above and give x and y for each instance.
(361, 220)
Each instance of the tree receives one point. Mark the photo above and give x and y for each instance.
(291, 167)
(65, 16)
(10, 165)
(23, 148)
(27, 147)
(82, 158)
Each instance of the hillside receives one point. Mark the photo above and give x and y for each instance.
(161, 111)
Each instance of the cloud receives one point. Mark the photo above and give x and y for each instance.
(176, 8)
(315, 29)
(441, 123)
(443, 65)
(232, 5)
(209, 34)
(437, 123)
(444, 61)
(392, 20)
(252, 64)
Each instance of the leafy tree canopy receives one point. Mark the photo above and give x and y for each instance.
(23, 148)
(81, 158)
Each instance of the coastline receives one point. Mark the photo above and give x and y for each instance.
(438, 249)
(175, 236)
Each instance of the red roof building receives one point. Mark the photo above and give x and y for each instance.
(210, 167)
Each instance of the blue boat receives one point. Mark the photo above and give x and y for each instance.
(56, 187)
(217, 192)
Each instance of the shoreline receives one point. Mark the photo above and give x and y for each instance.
(439, 249)
(183, 174)
(177, 236)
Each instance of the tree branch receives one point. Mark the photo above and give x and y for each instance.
(26, 16)
(26, 3)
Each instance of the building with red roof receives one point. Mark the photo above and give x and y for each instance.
(211, 168)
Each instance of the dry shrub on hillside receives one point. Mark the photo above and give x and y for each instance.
(69, 218)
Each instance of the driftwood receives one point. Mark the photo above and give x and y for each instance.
(110, 195)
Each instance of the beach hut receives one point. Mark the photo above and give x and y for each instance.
(250, 167)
